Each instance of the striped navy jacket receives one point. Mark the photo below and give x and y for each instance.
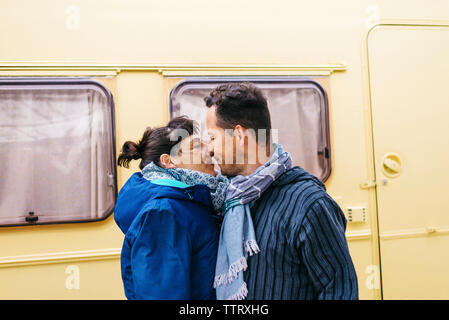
(301, 233)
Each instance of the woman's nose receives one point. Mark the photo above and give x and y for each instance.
(206, 152)
(209, 148)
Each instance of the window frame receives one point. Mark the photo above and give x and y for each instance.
(268, 80)
(64, 80)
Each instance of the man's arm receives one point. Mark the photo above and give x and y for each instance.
(324, 251)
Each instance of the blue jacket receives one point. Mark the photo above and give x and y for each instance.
(171, 240)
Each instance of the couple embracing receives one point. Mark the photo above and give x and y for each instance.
(242, 223)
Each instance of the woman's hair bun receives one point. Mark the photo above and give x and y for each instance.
(155, 142)
(130, 151)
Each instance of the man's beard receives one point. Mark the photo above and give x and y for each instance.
(231, 170)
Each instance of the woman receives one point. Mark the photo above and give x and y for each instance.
(168, 213)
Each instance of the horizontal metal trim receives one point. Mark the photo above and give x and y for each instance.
(60, 257)
(414, 233)
(358, 235)
(238, 72)
(46, 73)
(409, 23)
(16, 65)
(102, 254)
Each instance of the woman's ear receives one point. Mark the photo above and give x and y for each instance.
(166, 161)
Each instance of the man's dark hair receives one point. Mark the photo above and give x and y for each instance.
(240, 104)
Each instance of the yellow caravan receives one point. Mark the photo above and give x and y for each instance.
(357, 90)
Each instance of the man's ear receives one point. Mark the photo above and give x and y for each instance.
(240, 133)
(166, 161)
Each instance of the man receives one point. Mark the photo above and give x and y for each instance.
(299, 228)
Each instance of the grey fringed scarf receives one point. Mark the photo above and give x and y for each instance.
(237, 225)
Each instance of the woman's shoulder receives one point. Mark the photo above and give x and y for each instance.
(191, 210)
(174, 214)
(187, 206)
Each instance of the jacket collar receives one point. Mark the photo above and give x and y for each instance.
(197, 193)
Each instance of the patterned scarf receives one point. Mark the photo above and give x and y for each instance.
(238, 225)
(217, 184)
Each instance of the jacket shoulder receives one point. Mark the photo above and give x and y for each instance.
(189, 215)
(303, 192)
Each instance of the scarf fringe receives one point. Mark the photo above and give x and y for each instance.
(234, 269)
(252, 247)
(241, 294)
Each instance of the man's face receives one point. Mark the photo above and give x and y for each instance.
(223, 146)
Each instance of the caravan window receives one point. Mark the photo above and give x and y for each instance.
(56, 151)
(298, 108)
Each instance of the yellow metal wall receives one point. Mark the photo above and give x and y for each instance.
(139, 44)
(408, 79)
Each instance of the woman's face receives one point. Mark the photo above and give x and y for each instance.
(193, 154)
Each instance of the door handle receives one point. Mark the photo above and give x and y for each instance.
(391, 164)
